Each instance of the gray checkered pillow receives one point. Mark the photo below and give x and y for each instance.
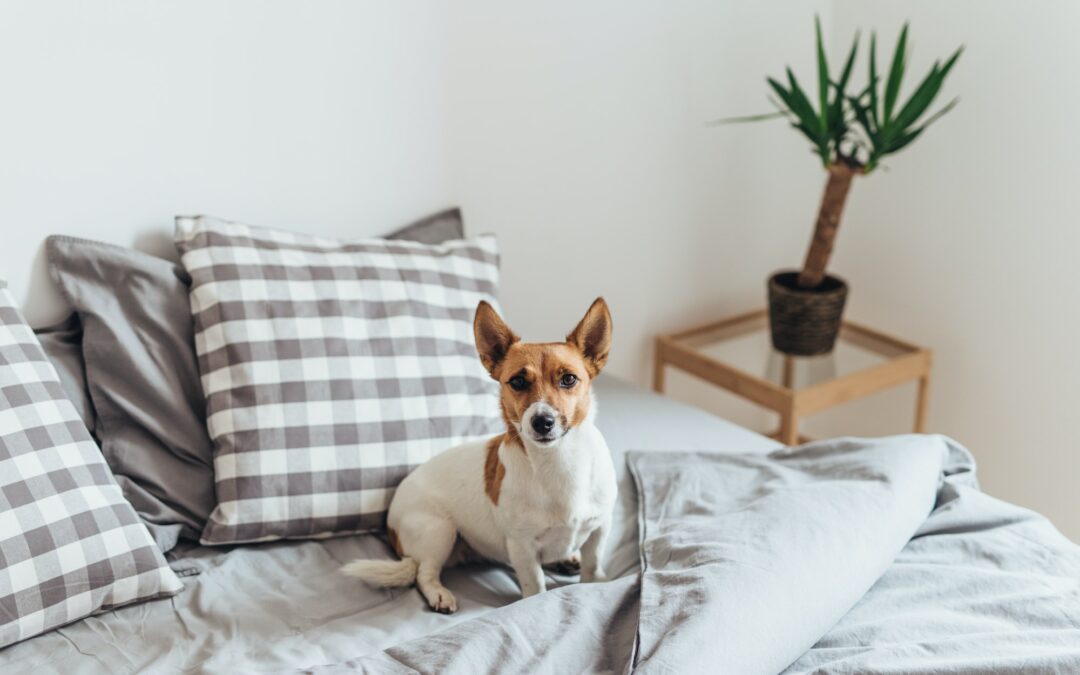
(70, 546)
(331, 369)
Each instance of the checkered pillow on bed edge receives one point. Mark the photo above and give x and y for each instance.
(331, 369)
(70, 545)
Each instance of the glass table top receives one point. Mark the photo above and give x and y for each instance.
(743, 343)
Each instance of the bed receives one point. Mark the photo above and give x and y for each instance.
(284, 605)
(982, 586)
(268, 409)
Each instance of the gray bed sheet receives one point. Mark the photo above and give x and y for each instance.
(843, 556)
(280, 606)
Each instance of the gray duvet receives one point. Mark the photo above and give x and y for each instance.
(841, 556)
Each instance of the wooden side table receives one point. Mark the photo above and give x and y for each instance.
(729, 354)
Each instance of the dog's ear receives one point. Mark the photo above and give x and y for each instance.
(593, 336)
(493, 336)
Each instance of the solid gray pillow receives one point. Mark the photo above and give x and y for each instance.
(137, 366)
(62, 343)
(435, 229)
(143, 380)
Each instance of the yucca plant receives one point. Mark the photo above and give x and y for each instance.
(852, 134)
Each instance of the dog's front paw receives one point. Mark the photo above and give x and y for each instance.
(569, 567)
(594, 577)
(442, 601)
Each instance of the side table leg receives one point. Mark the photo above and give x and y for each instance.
(789, 428)
(921, 404)
(658, 375)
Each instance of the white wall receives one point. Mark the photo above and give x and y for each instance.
(578, 134)
(969, 242)
(117, 115)
(575, 131)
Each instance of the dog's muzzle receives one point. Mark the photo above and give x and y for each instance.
(542, 423)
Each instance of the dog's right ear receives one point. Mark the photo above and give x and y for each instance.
(493, 336)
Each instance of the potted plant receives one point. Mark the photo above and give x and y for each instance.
(851, 134)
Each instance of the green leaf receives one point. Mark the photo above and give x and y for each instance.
(933, 118)
(823, 78)
(805, 120)
(872, 86)
(841, 84)
(913, 134)
(920, 101)
(952, 61)
(924, 95)
(896, 74)
(908, 136)
(900, 143)
(784, 94)
(746, 118)
(811, 135)
(837, 127)
(785, 97)
(800, 105)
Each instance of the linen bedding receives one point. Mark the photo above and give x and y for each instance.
(846, 556)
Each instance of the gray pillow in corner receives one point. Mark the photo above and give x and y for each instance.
(143, 380)
(62, 343)
(435, 229)
(134, 379)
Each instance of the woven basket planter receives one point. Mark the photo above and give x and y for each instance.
(805, 322)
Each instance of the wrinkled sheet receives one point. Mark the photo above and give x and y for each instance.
(842, 556)
(281, 606)
(839, 556)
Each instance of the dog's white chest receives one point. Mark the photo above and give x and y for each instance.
(558, 506)
(559, 541)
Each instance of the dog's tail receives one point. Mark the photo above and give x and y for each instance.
(390, 573)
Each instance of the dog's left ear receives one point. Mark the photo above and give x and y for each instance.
(593, 336)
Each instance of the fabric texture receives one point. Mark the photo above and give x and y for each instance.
(282, 606)
(143, 379)
(62, 343)
(330, 369)
(135, 358)
(435, 229)
(70, 545)
(844, 556)
(981, 586)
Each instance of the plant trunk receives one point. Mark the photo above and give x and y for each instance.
(828, 221)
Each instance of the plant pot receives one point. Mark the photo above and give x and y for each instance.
(802, 321)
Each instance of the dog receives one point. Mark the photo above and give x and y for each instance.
(541, 493)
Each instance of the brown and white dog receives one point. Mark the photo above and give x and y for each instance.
(535, 495)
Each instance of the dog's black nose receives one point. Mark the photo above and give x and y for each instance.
(542, 423)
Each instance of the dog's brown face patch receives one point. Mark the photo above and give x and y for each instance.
(555, 373)
(558, 373)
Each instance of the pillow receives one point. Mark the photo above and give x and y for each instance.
(139, 353)
(436, 229)
(63, 345)
(70, 546)
(331, 369)
(138, 349)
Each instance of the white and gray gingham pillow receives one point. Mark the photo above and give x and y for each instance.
(70, 545)
(331, 369)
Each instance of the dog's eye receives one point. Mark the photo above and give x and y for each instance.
(568, 380)
(518, 383)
